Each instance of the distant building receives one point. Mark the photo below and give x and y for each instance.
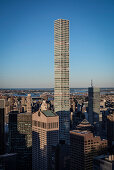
(2, 132)
(11, 101)
(104, 162)
(23, 101)
(45, 131)
(20, 138)
(73, 105)
(110, 132)
(29, 102)
(102, 103)
(84, 147)
(85, 125)
(61, 89)
(93, 104)
(75, 119)
(24, 104)
(45, 105)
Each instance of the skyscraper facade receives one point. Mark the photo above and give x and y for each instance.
(93, 104)
(61, 90)
(110, 132)
(2, 107)
(20, 138)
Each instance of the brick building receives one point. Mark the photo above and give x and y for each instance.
(84, 146)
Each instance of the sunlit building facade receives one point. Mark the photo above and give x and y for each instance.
(61, 90)
(45, 136)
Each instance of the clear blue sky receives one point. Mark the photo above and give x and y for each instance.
(27, 42)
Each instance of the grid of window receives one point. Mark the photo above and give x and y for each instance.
(61, 64)
(43, 125)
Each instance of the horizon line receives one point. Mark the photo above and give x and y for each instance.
(47, 87)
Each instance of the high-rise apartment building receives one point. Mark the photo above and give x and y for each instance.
(84, 147)
(61, 90)
(45, 136)
(2, 142)
(93, 104)
(20, 138)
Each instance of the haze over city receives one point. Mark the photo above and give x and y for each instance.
(27, 42)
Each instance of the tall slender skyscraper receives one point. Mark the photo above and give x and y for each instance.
(61, 91)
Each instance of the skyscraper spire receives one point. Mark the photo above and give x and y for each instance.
(91, 83)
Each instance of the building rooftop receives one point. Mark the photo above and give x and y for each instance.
(23, 113)
(109, 158)
(81, 132)
(84, 123)
(61, 19)
(26, 113)
(7, 155)
(48, 113)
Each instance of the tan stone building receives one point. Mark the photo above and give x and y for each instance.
(45, 131)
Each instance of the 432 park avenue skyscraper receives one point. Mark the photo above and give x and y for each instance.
(61, 90)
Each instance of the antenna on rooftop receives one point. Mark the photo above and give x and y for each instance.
(91, 83)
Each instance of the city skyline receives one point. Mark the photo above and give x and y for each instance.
(27, 36)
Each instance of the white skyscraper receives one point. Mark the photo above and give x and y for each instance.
(61, 90)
